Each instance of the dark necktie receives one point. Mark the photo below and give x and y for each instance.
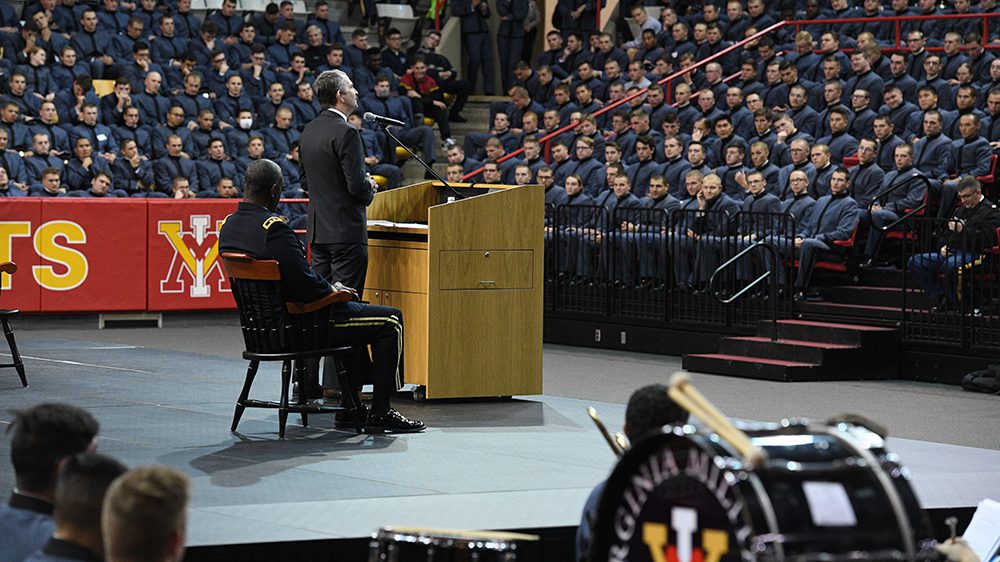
(93, 138)
(177, 164)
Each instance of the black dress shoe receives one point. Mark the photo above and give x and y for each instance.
(392, 422)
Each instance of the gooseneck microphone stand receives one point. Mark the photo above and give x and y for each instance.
(458, 195)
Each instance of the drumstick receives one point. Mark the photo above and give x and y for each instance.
(604, 432)
(688, 397)
(622, 441)
(683, 392)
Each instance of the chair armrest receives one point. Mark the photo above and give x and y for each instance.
(849, 243)
(8, 267)
(334, 297)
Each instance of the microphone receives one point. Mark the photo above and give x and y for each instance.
(372, 118)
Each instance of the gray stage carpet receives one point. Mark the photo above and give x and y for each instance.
(166, 396)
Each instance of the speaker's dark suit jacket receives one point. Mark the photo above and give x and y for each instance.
(334, 160)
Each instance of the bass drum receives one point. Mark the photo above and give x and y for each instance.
(405, 544)
(825, 493)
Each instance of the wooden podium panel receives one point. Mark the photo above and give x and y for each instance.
(469, 284)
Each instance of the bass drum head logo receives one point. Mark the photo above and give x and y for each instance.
(667, 501)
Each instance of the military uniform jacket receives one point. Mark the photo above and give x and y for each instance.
(903, 198)
(833, 218)
(262, 234)
(865, 180)
(931, 155)
(800, 207)
(980, 229)
(722, 218)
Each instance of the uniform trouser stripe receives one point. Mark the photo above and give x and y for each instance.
(378, 321)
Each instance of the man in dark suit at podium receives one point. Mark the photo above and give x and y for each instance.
(333, 157)
(339, 188)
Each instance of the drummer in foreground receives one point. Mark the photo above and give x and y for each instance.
(649, 408)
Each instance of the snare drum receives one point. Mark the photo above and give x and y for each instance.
(825, 493)
(403, 544)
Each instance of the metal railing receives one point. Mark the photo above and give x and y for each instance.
(772, 287)
(642, 266)
(950, 300)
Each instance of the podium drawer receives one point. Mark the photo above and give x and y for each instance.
(395, 268)
(486, 269)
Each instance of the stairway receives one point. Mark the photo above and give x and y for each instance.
(805, 350)
(877, 299)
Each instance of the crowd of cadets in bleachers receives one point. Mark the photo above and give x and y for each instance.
(797, 102)
(194, 102)
(182, 84)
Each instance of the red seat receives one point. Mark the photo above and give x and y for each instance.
(838, 266)
(850, 161)
(990, 177)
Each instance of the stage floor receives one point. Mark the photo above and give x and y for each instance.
(525, 463)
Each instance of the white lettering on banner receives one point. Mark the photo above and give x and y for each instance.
(69, 267)
(195, 259)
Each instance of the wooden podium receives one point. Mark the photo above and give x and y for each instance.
(467, 275)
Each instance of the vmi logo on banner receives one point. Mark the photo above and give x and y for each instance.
(82, 255)
(184, 268)
(195, 263)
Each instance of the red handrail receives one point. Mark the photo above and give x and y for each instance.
(897, 21)
(626, 99)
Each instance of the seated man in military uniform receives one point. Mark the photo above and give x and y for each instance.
(257, 230)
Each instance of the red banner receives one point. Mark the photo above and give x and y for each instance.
(184, 270)
(86, 255)
(74, 254)
(18, 221)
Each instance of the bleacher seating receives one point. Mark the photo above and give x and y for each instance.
(721, 83)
